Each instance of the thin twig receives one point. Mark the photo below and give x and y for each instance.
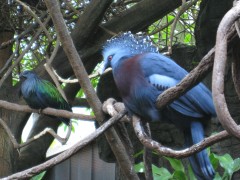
(26, 7)
(65, 80)
(29, 29)
(161, 28)
(68, 3)
(54, 53)
(9, 133)
(51, 132)
(42, 133)
(91, 76)
(50, 71)
(9, 71)
(147, 155)
(183, 8)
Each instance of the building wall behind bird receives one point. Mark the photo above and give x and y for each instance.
(85, 165)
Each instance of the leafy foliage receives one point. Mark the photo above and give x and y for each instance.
(228, 164)
(220, 162)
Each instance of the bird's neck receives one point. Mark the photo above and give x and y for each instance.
(30, 83)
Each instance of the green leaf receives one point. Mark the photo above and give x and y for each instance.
(179, 175)
(214, 161)
(161, 173)
(73, 129)
(158, 173)
(176, 164)
(138, 154)
(190, 173)
(217, 177)
(139, 167)
(226, 162)
(187, 38)
(39, 176)
(236, 164)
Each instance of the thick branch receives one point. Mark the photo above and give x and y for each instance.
(220, 62)
(162, 150)
(236, 67)
(74, 58)
(81, 74)
(146, 140)
(48, 111)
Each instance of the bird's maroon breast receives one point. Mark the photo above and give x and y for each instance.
(128, 75)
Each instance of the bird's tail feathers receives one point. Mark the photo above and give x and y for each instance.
(200, 161)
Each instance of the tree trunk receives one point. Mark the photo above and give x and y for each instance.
(6, 149)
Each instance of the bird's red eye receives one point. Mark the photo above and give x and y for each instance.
(110, 57)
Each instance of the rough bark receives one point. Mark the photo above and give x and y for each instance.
(7, 153)
(210, 15)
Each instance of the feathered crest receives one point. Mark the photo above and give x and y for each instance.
(138, 43)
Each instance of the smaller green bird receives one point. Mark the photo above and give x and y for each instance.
(40, 94)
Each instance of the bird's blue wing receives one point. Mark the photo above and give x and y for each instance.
(164, 73)
(154, 63)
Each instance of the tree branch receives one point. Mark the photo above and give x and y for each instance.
(220, 62)
(146, 140)
(9, 71)
(82, 76)
(42, 133)
(29, 29)
(165, 151)
(36, 18)
(147, 155)
(185, 6)
(48, 111)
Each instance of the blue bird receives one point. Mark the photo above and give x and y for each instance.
(141, 74)
(40, 94)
